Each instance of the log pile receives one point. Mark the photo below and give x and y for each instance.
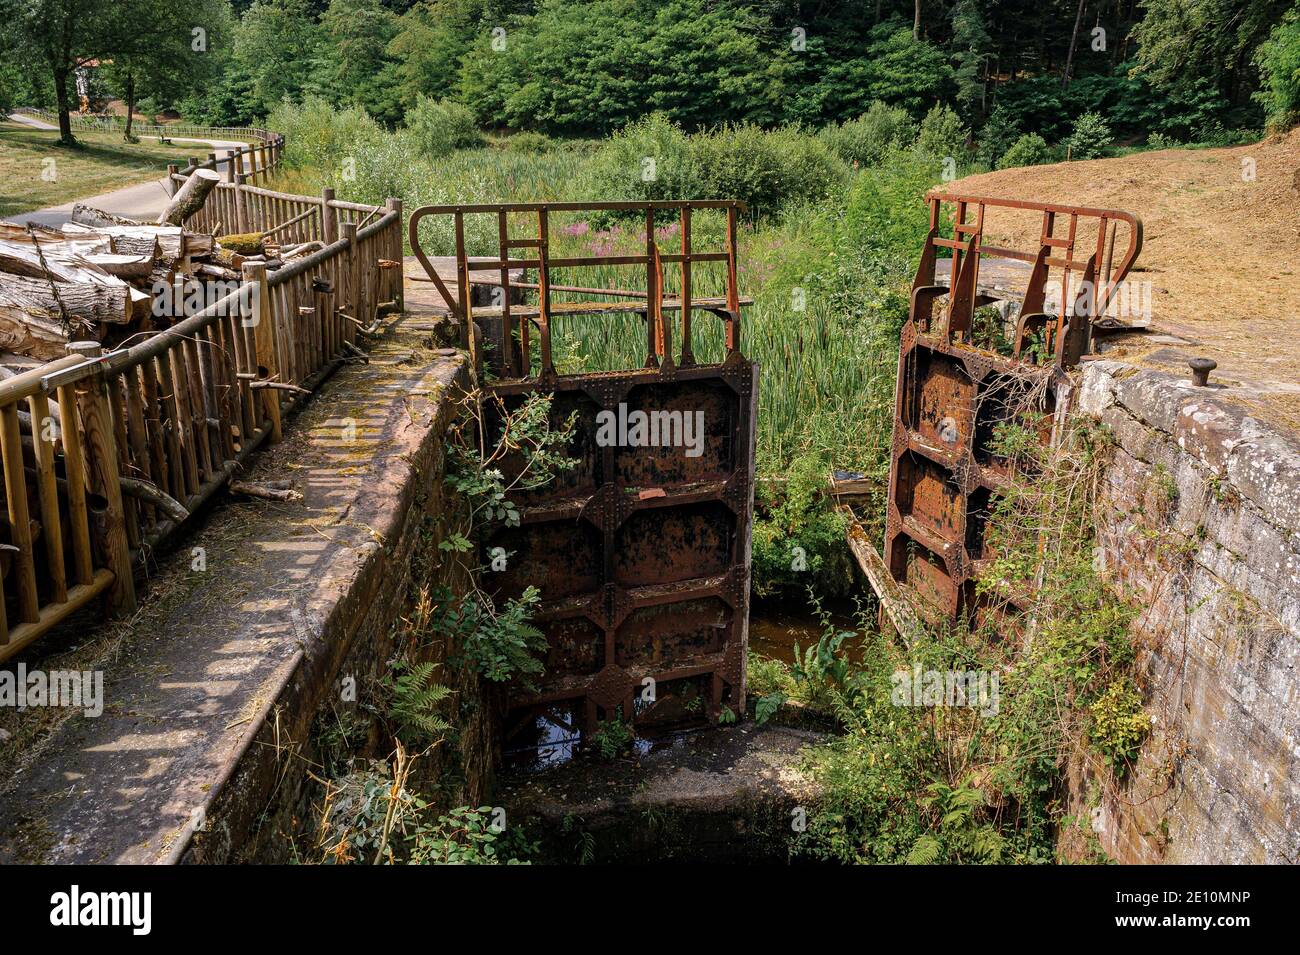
(105, 278)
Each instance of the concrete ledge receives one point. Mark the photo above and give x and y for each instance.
(720, 795)
(1259, 461)
(209, 701)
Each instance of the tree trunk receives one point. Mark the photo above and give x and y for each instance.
(61, 94)
(25, 334)
(130, 105)
(1074, 39)
(916, 22)
(83, 214)
(190, 197)
(51, 299)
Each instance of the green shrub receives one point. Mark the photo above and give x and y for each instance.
(467, 836)
(529, 143)
(440, 127)
(654, 159)
(798, 539)
(322, 136)
(1091, 137)
(612, 738)
(1161, 141)
(1278, 60)
(869, 138)
(650, 159)
(1119, 724)
(762, 169)
(810, 171)
(388, 165)
(1029, 150)
(942, 134)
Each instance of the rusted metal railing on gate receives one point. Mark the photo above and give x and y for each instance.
(651, 303)
(953, 392)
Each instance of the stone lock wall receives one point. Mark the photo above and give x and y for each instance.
(1200, 521)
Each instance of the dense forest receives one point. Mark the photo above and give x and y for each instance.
(1186, 70)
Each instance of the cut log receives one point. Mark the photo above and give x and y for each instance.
(44, 261)
(122, 266)
(83, 214)
(158, 242)
(33, 335)
(90, 302)
(15, 246)
(19, 233)
(226, 257)
(216, 271)
(267, 492)
(199, 244)
(152, 494)
(190, 198)
(290, 252)
(163, 275)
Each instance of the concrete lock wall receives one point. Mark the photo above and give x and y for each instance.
(271, 802)
(1199, 519)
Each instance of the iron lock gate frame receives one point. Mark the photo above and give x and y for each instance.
(951, 394)
(642, 557)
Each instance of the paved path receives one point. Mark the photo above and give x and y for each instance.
(188, 683)
(143, 201)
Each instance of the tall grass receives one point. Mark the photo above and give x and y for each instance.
(828, 273)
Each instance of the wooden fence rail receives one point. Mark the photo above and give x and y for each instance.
(169, 130)
(123, 446)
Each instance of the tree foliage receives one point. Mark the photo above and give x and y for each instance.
(593, 67)
(1279, 64)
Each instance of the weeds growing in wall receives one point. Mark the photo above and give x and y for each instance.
(379, 811)
(963, 778)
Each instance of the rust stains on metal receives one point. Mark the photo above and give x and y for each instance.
(641, 552)
(953, 391)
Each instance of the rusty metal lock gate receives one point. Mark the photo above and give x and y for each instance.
(952, 394)
(641, 553)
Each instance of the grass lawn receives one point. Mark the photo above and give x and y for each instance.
(103, 163)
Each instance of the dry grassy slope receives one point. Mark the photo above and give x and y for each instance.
(1220, 252)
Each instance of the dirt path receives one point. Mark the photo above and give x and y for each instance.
(142, 201)
(1220, 254)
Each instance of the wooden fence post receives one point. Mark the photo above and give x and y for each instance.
(241, 200)
(172, 170)
(329, 223)
(399, 293)
(354, 282)
(100, 454)
(268, 366)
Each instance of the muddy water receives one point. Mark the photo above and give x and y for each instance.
(775, 626)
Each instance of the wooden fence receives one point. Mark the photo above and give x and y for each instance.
(107, 454)
(167, 130)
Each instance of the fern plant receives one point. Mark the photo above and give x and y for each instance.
(414, 703)
(963, 834)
